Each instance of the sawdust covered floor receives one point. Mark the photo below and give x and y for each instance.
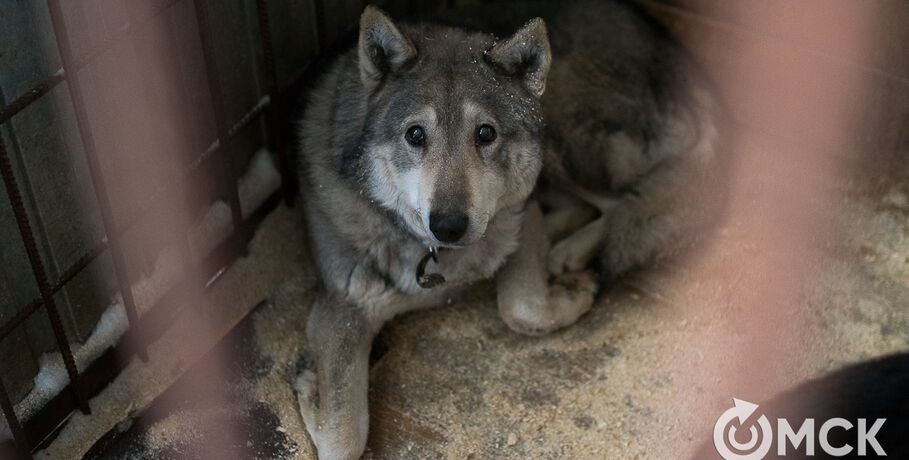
(183, 422)
(454, 382)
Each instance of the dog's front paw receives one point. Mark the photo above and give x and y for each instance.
(574, 292)
(569, 296)
(306, 386)
(334, 439)
(528, 316)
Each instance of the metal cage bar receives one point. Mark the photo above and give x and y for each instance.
(29, 435)
(65, 277)
(129, 223)
(13, 422)
(37, 266)
(94, 167)
(45, 86)
(275, 133)
(19, 104)
(216, 95)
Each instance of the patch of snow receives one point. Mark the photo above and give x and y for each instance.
(257, 184)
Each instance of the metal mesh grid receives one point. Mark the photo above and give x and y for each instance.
(29, 435)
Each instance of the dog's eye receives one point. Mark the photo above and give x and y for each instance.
(485, 135)
(415, 136)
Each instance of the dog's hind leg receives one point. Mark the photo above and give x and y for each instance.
(673, 206)
(333, 401)
(527, 302)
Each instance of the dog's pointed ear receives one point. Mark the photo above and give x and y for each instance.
(383, 47)
(525, 54)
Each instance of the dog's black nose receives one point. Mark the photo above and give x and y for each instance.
(448, 227)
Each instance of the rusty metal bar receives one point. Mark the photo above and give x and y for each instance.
(45, 86)
(70, 273)
(36, 92)
(271, 85)
(22, 444)
(94, 167)
(21, 315)
(272, 123)
(216, 95)
(34, 259)
(247, 118)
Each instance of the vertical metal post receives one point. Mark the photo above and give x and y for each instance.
(272, 120)
(19, 436)
(34, 259)
(217, 101)
(94, 168)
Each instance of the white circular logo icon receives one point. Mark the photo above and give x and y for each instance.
(738, 423)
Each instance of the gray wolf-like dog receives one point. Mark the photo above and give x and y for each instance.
(420, 157)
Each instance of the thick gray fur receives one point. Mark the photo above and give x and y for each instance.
(614, 117)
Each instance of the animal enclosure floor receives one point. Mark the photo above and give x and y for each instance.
(622, 383)
(635, 378)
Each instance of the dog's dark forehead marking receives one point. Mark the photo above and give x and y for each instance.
(450, 71)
